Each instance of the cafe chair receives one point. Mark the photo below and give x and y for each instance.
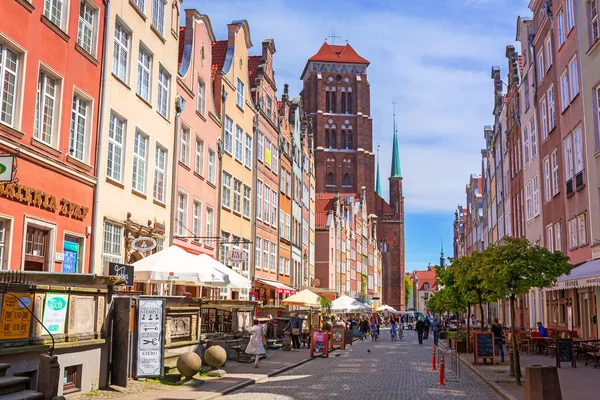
(591, 354)
(524, 342)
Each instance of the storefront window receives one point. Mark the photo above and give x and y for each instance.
(36, 245)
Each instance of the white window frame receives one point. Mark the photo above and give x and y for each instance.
(9, 73)
(42, 131)
(78, 136)
(201, 97)
(196, 219)
(259, 200)
(274, 159)
(582, 229)
(260, 146)
(121, 52)
(578, 139)
(139, 162)
(544, 118)
(274, 207)
(555, 173)
(239, 145)
(112, 242)
(536, 195)
(267, 204)
(226, 193)
(247, 207)
(239, 94)
(549, 238)
(228, 139)
(548, 51)
(258, 252)
(184, 140)
(529, 201)
(248, 152)
(557, 236)
(117, 127)
(140, 4)
(560, 18)
(164, 87)
(57, 12)
(570, 15)
(573, 228)
(533, 134)
(237, 195)
(182, 213)
(273, 257)
(266, 248)
(158, 15)
(526, 144)
(547, 180)
(199, 157)
(574, 75)
(144, 74)
(564, 90)
(541, 69)
(210, 216)
(212, 166)
(551, 109)
(87, 27)
(569, 160)
(281, 265)
(594, 20)
(160, 174)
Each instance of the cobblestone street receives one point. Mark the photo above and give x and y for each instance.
(390, 371)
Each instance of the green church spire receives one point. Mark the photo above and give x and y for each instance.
(396, 171)
(377, 179)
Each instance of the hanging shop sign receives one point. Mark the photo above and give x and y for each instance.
(37, 198)
(150, 349)
(236, 256)
(6, 168)
(55, 312)
(143, 244)
(15, 319)
(123, 271)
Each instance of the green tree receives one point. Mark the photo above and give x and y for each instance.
(513, 268)
(408, 290)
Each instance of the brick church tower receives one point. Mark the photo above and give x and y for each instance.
(337, 102)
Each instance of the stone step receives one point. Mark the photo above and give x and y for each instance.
(12, 384)
(3, 368)
(23, 395)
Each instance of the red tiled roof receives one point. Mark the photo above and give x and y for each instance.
(321, 219)
(219, 51)
(253, 63)
(427, 277)
(181, 43)
(323, 205)
(337, 53)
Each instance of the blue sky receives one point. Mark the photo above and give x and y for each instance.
(433, 58)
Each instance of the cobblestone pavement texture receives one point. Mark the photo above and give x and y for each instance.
(399, 370)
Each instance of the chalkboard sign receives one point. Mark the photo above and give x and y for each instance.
(564, 352)
(337, 337)
(348, 336)
(484, 346)
(319, 342)
(123, 271)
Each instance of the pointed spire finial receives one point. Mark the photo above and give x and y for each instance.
(442, 258)
(396, 171)
(378, 179)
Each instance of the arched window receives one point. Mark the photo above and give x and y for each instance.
(327, 102)
(346, 180)
(330, 179)
(333, 143)
(426, 286)
(349, 141)
(349, 101)
(343, 139)
(333, 102)
(326, 137)
(343, 101)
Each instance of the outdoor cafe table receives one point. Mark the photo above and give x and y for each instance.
(539, 340)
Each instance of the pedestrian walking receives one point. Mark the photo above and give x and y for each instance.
(295, 328)
(497, 331)
(419, 327)
(364, 328)
(436, 327)
(427, 324)
(256, 345)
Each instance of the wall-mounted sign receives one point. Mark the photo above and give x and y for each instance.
(15, 319)
(6, 168)
(143, 244)
(150, 347)
(36, 198)
(159, 228)
(55, 312)
(59, 257)
(123, 271)
(236, 256)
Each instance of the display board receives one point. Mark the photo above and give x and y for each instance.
(356, 331)
(55, 312)
(15, 320)
(123, 271)
(319, 343)
(484, 346)
(565, 352)
(150, 346)
(348, 336)
(337, 337)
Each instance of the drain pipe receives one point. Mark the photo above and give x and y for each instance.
(220, 183)
(99, 139)
(179, 106)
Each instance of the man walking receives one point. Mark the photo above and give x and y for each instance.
(436, 326)
(427, 325)
(419, 327)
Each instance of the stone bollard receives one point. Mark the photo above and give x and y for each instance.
(49, 375)
(542, 383)
(287, 342)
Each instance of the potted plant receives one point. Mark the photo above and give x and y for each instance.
(458, 341)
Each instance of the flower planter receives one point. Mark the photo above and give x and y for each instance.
(460, 347)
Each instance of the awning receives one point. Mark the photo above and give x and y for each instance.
(280, 288)
(585, 275)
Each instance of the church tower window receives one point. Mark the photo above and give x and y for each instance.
(343, 138)
(326, 137)
(349, 140)
(330, 179)
(333, 101)
(349, 101)
(333, 143)
(327, 101)
(343, 101)
(346, 180)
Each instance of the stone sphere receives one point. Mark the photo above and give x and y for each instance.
(189, 364)
(215, 356)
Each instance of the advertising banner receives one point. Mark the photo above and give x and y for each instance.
(15, 319)
(55, 312)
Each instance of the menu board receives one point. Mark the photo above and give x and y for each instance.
(15, 320)
(123, 271)
(564, 352)
(150, 337)
(348, 336)
(356, 331)
(319, 343)
(337, 337)
(484, 346)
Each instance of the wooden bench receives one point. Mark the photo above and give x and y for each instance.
(591, 352)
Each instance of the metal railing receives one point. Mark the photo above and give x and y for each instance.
(451, 363)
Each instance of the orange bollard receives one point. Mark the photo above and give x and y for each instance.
(433, 359)
(442, 370)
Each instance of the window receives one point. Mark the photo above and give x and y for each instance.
(212, 171)
(548, 50)
(265, 255)
(239, 94)
(287, 266)
(551, 110)
(547, 185)
(288, 176)
(544, 117)
(140, 4)
(113, 237)
(529, 201)
(226, 190)
(86, 28)
(45, 109)
(549, 238)
(160, 170)
(228, 142)
(224, 248)
(267, 206)
(273, 257)
(259, 202)
(574, 77)
(267, 153)
(199, 162)
(158, 15)
(330, 179)
(541, 69)
(274, 208)
(239, 146)
(527, 100)
(140, 148)
(570, 15)
(79, 128)
(260, 146)
(71, 382)
(533, 137)
(573, 242)
(578, 151)
(269, 107)
(536, 196)
(183, 145)
(164, 81)
(274, 159)
(282, 223)
(258, 252)
(114, 162)
(281, 266)
(287, 226)
(582, 225)
(526, 144)
(561, 27)
(9, 63)
(555, 177)
(346, 180)
(568, 158)
(144, 73)
(564, 90)
(121, 53)
(201, 96)
(55, 11)
(247, 199)
(4, 229)
(557, 236)
(209, 222)
(237, 196)
(594, 21)
(196, 220)
(182, 214)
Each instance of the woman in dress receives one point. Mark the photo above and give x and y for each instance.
(255, 345)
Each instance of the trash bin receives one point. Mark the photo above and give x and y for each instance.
(542, 383)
